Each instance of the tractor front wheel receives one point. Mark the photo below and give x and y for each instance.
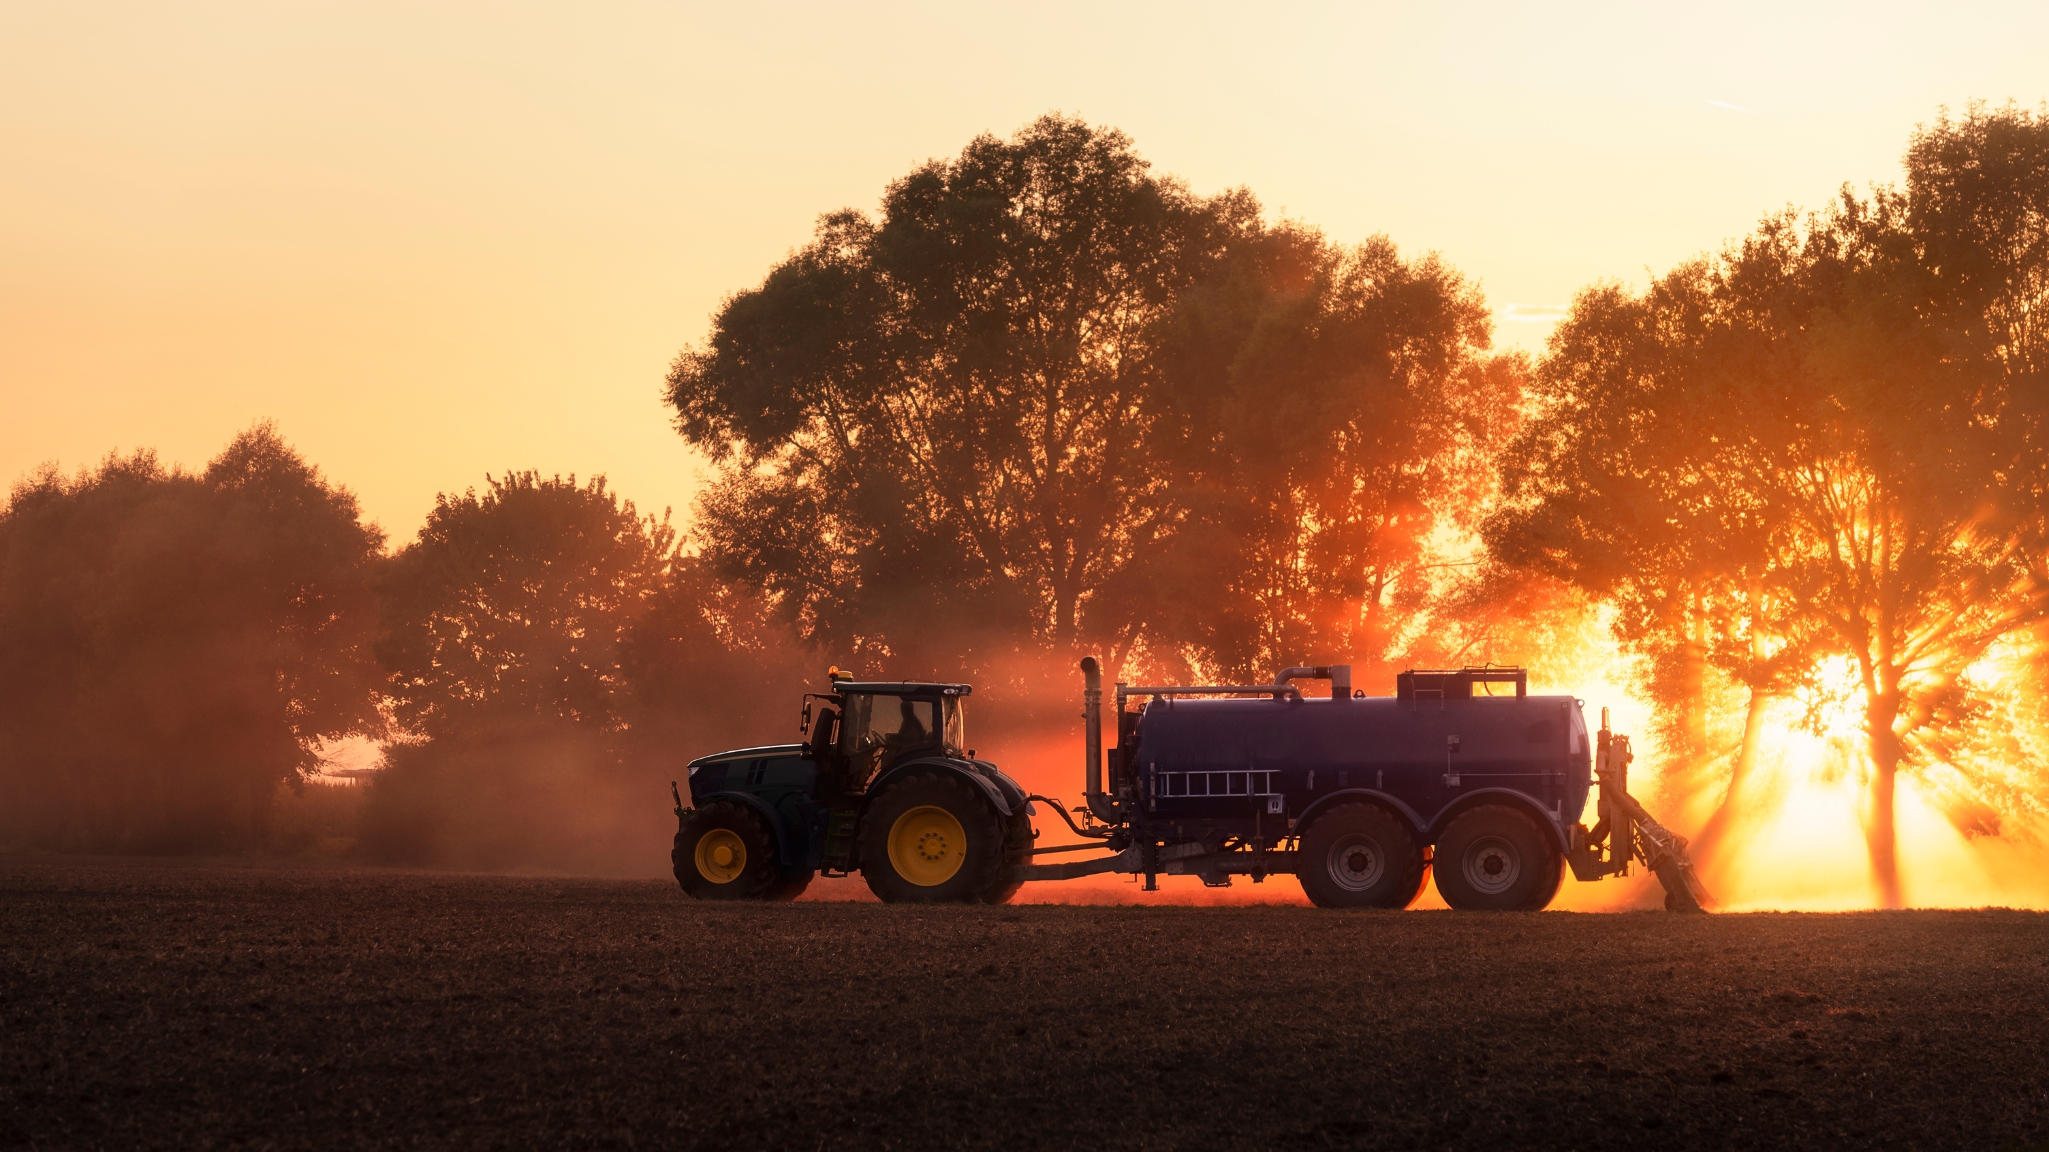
(726, 852)
(930, 839)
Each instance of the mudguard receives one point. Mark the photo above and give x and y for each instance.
(1005, 794)
(1509, 797)
(792, 850)
(1353, 795)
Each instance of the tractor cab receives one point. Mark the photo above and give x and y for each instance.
(861, 728)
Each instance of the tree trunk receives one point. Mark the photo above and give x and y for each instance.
(1707, 846)
(1880, 836)
(1684, 728)
(1693, 682)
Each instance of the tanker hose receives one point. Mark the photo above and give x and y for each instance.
(1092, 833)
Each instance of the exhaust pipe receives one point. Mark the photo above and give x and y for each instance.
(1339, 675)
(1092, 722)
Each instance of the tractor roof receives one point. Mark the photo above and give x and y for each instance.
(902, 687)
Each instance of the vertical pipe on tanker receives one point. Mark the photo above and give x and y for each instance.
(1092, 721)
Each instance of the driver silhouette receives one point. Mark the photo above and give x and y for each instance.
(910, 731)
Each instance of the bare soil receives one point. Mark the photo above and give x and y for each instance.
(149, 1004)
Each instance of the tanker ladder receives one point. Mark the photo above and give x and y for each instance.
(1624, 830)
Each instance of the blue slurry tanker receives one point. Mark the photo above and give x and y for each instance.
(1461, 773)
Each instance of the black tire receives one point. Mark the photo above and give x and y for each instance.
(1010, 878)
(751, 873)
(791, 886)
(968, 872)
(1495, 859)
(1545, 893)
(1003, 892)
(1359, 856)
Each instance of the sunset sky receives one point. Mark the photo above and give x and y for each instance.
(435, 241)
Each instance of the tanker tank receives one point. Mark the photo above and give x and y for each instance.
(1202, 762)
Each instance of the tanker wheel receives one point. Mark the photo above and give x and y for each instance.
(1541, 898)
(726, 852)
(1495, 859)
(1359, 856)
(930, 839)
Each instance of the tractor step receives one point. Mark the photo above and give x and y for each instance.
(839, 841)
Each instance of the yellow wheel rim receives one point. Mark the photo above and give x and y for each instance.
(721, 856)
(927, 846)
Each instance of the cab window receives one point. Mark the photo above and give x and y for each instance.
(956, 727)
(854, 723)
(888, 722)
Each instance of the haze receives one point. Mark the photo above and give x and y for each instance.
(438, 241)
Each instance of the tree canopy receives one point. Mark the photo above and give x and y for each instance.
(174, 647)
(1819, 444)
(1332, 414)
(517, 600)
(548, 653)
(1049, 397)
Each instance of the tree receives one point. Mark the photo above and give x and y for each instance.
(932, 425)
(517, 601)
(1887, 448)
(1978, 207)
(173, 647)
(504, 625)
(1332, 422)
(1630, 484)
(1050, 399)
(1817, 444)
(553, 662)
(706, 666)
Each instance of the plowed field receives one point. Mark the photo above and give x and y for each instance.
(180, 1005)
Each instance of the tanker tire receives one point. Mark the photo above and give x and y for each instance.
(756, 875)
(1541, 898)
(1360, 856)
(1495, 859)
(981, 873)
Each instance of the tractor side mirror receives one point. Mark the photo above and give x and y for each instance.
(825, 733)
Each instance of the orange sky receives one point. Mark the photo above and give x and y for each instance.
(438, 240)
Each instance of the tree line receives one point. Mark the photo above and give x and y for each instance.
(1051, 400)
(1045, 400)
(177, 647)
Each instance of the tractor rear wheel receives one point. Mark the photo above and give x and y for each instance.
(726, 852)
(931, 839)
(1010, 878)
(790, 886)
(1359, 856)
(1495, 859)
